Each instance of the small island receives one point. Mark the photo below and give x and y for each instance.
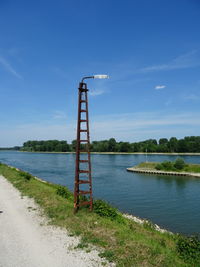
(177, 167)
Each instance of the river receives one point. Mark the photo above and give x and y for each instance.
(172, 202)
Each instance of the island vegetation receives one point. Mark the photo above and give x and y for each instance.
(189, 144)
(121, 240)
(179, 165)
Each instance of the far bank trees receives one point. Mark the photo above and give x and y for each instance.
(188, 144)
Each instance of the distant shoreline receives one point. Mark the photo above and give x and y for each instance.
(116, 153)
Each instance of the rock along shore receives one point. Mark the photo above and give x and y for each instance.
(148, 171)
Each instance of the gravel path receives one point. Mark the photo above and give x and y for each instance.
(27, 241)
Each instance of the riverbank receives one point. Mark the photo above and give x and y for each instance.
(150, 168)
(118, 153)
(123, 241)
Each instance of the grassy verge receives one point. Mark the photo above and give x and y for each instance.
(123, 241)
(170, 166)
(147, 165)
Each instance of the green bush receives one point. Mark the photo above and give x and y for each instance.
(159, 166)
(179, 164)
(167, 165)
(25, 175)
(104, 209)
(189, 249)
(62, 191)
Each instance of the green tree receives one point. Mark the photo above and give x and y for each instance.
(74, 145)
(173, 144)
(179, 163)
(112, 145)
(182, 145)
(163, 141)
(124, 147)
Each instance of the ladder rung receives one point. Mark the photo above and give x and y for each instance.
(81, 192)
(84, 203)
(83, 110)
(84, 141)
(84, 130)
(83, 101)
(83, 90)
(84, 171)
(83, 161)
(83, 120)
(84, 182)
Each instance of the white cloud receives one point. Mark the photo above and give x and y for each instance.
(96, 92)
(159, 87)
(168, 102)
(140, 126)
(6, 65)
(188, 60)
(58, 114)
(126, 127)
(192, 97)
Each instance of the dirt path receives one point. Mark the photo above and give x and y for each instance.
(26, 239)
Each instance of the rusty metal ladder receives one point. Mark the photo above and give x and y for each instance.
(83, 161)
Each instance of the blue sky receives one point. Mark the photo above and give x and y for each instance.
(150, 50)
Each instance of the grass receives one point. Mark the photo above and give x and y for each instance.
(146, 165)
(153, 166)
(121, 240)
(192, 168)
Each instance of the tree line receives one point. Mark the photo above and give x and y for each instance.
(171, 145)
(10, 148)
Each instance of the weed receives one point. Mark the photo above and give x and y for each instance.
(148, 225)
(108, 254)
(25, 175)
(62, 191)
(189, 249)
(82, 245)
(104, 209)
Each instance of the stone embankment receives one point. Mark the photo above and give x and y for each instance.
(158, 172)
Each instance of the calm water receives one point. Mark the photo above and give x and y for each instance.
(169, 201)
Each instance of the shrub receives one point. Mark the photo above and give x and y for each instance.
(189, 249)
(62, 191)
(104, 209)
(167, 165)
(159, 166)
(27, 176)
(179, 163)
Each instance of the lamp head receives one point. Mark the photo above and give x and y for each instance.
(101, 76)
(98, 76)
